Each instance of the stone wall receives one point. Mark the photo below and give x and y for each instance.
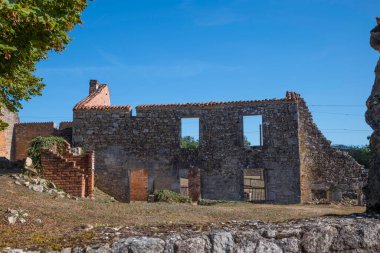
(65, 130)
(74, 173)
(151, 140)
(326, 171)
(7, 136)
(292, 144)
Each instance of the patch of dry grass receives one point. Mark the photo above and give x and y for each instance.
(60, 217)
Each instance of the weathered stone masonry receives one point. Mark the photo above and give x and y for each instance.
(7, 136)
(297, 159)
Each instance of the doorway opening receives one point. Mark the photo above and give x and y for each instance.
(254, 185)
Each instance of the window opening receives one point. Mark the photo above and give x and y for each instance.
(190, 133)
(253, 130)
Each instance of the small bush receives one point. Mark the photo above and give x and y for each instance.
(210, 202)
(171, 197)
(40, 143)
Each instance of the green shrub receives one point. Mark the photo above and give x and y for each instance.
(362, 154)
(210, 202)
(40, 143)
(171, 197)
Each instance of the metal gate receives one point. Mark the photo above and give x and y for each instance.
(254, 185)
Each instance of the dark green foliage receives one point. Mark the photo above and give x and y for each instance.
(29, 29)
(40, 143)
(189, 142)
(171, 197)
(210, 202)
(362, 154)
(246, 142)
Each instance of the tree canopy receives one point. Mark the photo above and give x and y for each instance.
(29, 29)
(189, 142)
(362, 154)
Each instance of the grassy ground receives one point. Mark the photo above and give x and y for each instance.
(61, 217)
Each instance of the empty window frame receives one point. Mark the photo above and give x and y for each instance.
(190, 133)
(253, 130)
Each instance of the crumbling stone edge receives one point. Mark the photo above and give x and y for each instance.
(354, 233)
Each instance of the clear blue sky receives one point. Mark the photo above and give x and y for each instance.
(187, 51)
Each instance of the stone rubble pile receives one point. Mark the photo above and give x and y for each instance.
(355, 233)
(38, 184)
(16, 215)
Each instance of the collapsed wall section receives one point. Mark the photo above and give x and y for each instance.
(74, 173)
(26, 132)
(16, 138)
(326, 172)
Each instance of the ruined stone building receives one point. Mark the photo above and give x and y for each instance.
(134, 155)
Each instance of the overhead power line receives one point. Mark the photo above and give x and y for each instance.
(338, 105)
(338, 113)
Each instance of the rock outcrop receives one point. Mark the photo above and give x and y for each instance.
(373, 119)
(354, 233)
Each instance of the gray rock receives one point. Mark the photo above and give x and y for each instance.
(222, 242)
(319, 239)
(98, 248)
(87, 227)
(193, 245)
(28, 166)
(246, 241)
(269, 233)
(170, 242)
(245, 247)
(369, 235)
(37, 188)
(12, 211)
(19, 251)
(12, 220)
(348, 239)
(139, 245)
(290, 245)
(291, 232)
(77, 250)
(265, 246)
(66, 250)
(38, 221)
